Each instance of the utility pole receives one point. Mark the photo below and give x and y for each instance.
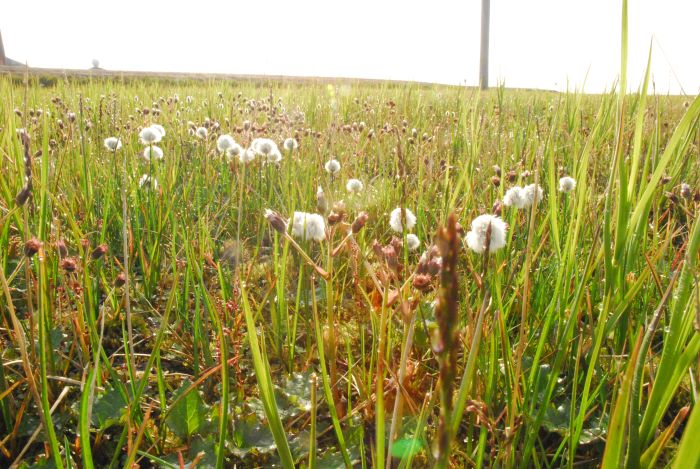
(2, 51)
(484, 59)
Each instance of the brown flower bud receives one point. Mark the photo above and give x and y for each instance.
(68, 264)
(23, 195)
(497, 208)
(664, 180)
(672, 197)
(32, 246)
(686, 193)
(359, 222)
(377, 248)
(98, 252)
(321, 201)
(390, 256)
(120, 280)
(497, 170)
(435, 265)
(421, 282)
(338, 213)
(60, 246)
(511, 176)
(496, 181)
(276, 221)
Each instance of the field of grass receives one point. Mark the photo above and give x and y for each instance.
(152, 312)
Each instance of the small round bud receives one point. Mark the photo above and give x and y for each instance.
(68, 264)
(31, 247)
(98, 252)
(359, 222)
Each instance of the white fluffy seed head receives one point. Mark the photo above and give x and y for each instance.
(224, 143)
(332, 166)
(308, 226)
(147, 182)
(412, 241)
(113, 143)
(201, 132)
(152, 151)
(515, 197)
(476, 238)
(247, 156)
(159, 128)
(290, 144)
(266, 148)
(233, 152)
(150, 135)
(567, 184)
(533, 194)
(354, 186)
(396, 222)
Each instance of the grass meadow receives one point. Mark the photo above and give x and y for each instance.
(175, 312)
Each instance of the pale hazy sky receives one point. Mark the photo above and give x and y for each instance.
(534, 43)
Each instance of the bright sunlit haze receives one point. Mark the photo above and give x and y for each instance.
(534, 44)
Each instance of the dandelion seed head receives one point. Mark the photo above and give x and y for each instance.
(567, 184)
(308, 226)
(247, 156)
(396, 222)
(113, 143)
(290, 144)
(533, 194)
(332, 166)
(147, 182)
(224, 143)
(202, 132)
(476, 238)
(354, 186)
(159, 128)
(412, 241)
(152, 152)
(515, 197)
(234, 152)
(150, 135)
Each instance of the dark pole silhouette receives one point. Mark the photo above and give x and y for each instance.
(484, 59)
(2, 51)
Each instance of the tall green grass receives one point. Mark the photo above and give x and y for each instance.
(576, 344)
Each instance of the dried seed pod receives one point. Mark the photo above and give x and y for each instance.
(422, 282)
(120, 280)
(497, 208)
(276, 221)
(359, 222)
(32, 246)
(68, 264)
(686, 193)
(99, 251)
(60, 246)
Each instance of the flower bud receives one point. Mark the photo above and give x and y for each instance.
(421, 282)
(497, 208)
(359, 222)
(686, 193)
(276, 221)
(98, 252)
(120, 280)
(31, 247)
(68, 264)
(60, 246)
